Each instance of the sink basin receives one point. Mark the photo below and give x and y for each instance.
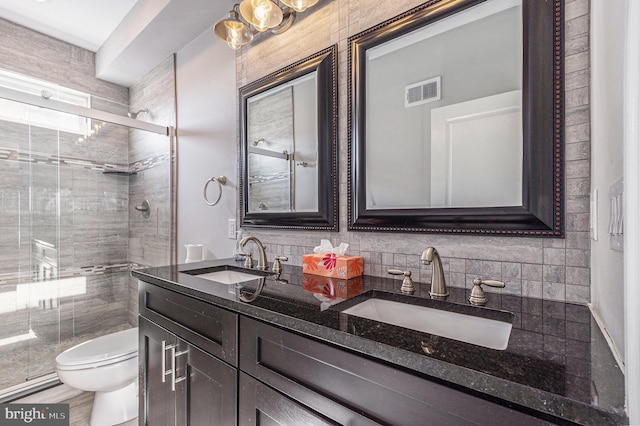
(229, 277)
(465, 327)
(226, 274)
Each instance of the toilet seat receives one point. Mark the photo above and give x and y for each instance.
(104, 350)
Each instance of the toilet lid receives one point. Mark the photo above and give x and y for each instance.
(105, 348)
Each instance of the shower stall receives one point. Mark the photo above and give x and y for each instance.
(73, 169)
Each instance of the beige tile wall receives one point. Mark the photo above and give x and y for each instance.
(554, 269)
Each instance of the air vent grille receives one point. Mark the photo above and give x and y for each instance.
(423, 92)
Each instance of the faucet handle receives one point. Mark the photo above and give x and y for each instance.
(477, 296)
(248, 262)
(407, 282)
(277, 266)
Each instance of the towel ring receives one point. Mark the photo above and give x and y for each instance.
(220, 180)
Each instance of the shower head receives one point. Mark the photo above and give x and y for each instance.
(134, 115)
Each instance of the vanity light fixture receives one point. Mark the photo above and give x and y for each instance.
(232, 30)
(254, 16)
(299, 5)
(261, 14)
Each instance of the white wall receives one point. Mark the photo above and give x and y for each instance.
(632, 206)
(607, 50)
(206, 126)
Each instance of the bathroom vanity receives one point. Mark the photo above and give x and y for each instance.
(294, 357)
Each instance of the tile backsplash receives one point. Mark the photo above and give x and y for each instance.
(552, 269)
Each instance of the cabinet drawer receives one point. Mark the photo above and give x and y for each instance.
(258, 404)
(296, 365)
(212, 329)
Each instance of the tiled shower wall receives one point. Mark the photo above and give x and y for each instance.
(553, 269)
(150, 159)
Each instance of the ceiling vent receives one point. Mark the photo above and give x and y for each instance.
(423, 92)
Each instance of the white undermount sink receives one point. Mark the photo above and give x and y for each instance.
(229, 276)
(476, 330)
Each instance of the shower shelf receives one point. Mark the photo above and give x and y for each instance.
(118, 172)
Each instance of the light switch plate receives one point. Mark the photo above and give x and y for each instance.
(616, 219)
(231, 229)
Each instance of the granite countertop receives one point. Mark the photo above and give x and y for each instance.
(557, 361)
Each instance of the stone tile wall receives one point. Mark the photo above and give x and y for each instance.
(150, 156)
(553, 269)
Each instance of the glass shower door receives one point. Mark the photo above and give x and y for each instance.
(29, 242)
(40, 243)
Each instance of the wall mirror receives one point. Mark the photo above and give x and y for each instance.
(288, 146)
(456, 111)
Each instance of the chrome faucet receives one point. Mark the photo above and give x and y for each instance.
(262, 260)
(438, 284)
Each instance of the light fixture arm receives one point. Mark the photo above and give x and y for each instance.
(289, 17)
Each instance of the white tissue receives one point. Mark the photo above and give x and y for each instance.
(326, 247)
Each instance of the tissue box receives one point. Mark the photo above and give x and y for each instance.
(332, 287)
(332, 265)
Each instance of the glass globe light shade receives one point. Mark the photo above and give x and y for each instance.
(299, 5)
(233, 31)
(262, 14)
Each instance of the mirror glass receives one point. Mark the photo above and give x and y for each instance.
(455, 106)
(449, 119)
(283, 153)
(289, 146)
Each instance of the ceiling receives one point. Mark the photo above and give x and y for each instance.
(130, 37)
(73, 21)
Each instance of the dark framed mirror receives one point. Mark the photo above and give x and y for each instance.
(288, 146)
(456, 112)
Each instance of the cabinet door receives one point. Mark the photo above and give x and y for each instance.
(206, 388)
(157, 400)
(261, 405)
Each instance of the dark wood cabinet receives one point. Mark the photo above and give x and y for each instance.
(181, 381)
(229, 369)
(157, 403)
(351, 389)
(206, 390)
(213, 329)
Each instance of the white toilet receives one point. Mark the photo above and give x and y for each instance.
(108, 366)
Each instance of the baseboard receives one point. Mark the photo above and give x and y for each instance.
(605, 333)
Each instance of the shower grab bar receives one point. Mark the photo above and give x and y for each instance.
(220, 180)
